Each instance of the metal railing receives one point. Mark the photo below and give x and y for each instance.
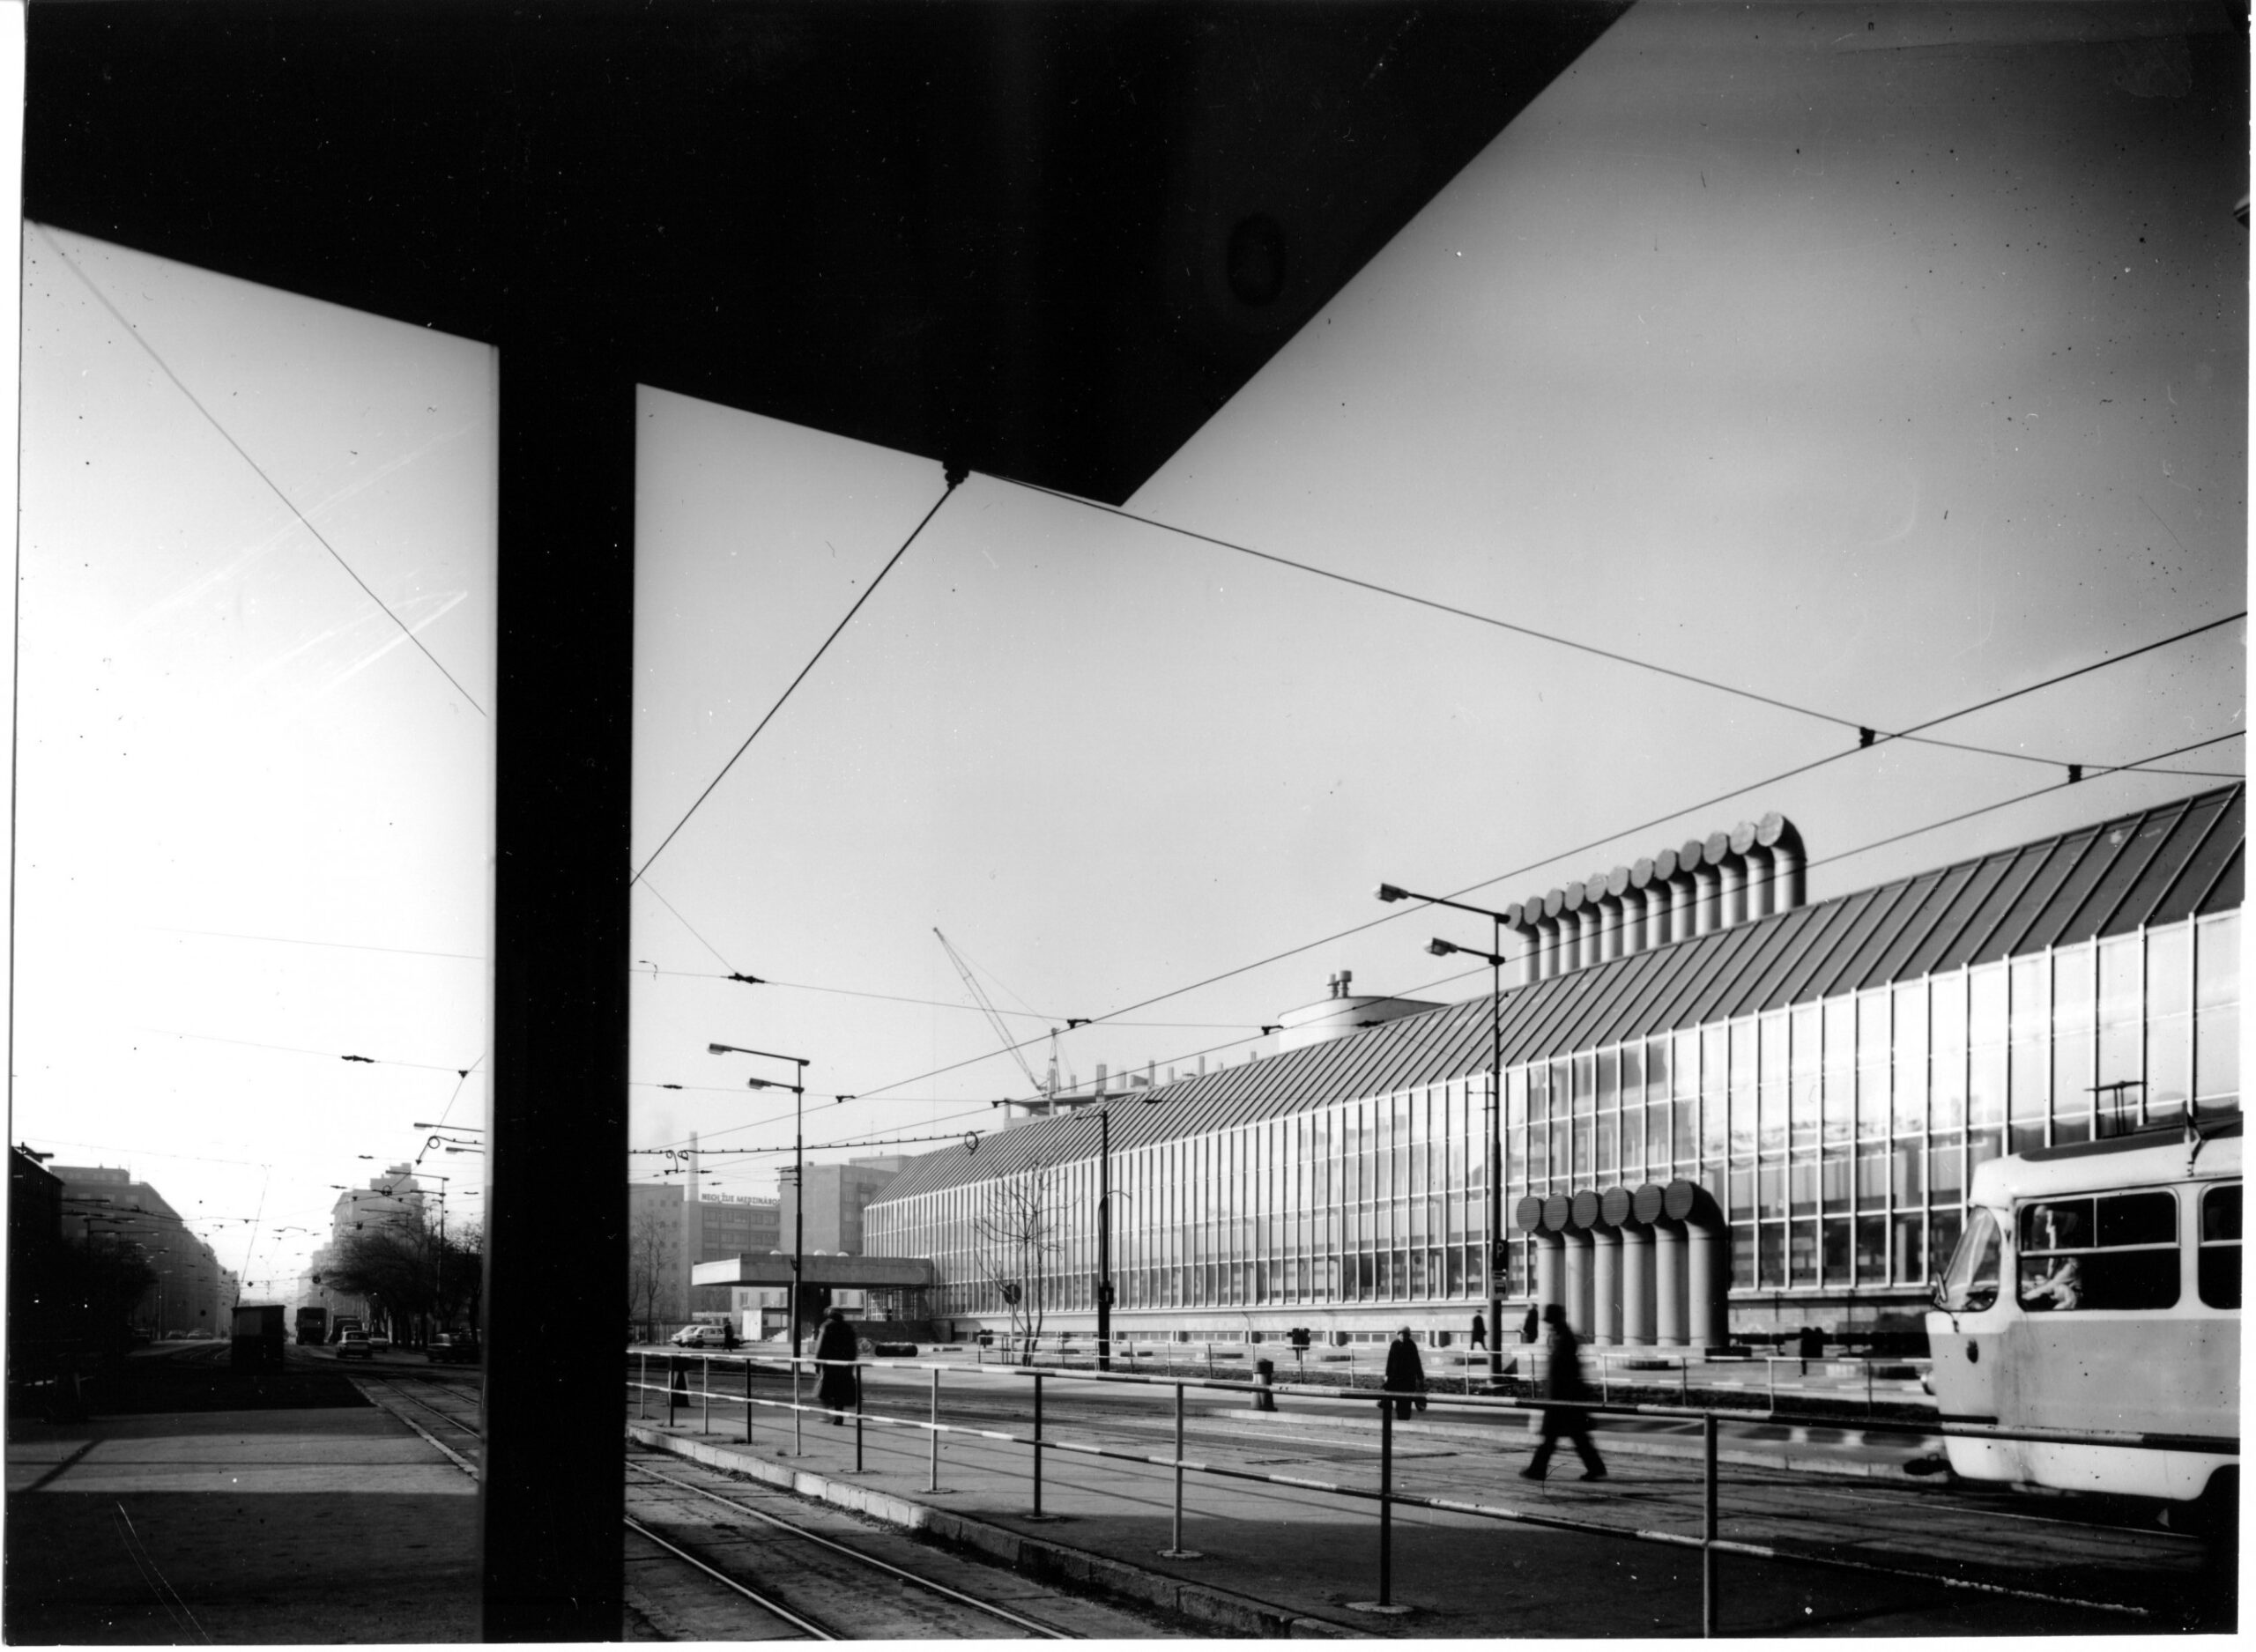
(1384, 1495)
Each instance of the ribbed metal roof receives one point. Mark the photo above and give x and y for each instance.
(2156, 866)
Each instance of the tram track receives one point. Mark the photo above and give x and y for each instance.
(702, 1524)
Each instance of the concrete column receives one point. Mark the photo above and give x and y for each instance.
(1758, 883)
(1527, 1216)
(1660, 901)
(1527, 969)
(1707, 1262)
(1615, 936)
(1570, 927)
(1550, 1251)
(1638, 1286)
(1606, 1285)
(1637, 904)
(1776, 834)
(1649, 1207)
(1730, 906)
(1575, 1282)
(1716, 852)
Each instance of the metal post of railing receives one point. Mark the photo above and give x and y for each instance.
(1037, 1445)
(857, 1419)
(673, 1370)
(1867, 1385)
(798, 1442)
(1175, 1551)
(1684, 1378)
(935, 1485)
(1771, 1372)
(748, 1407)
(1708, 1601)
(1385, 1504)
(642, 1389)
(705, 1394)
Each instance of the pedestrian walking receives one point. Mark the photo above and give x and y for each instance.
(837, 1386)
(1563, 1381)
(1406, 1375)
(1528, 1326)
(1479, 1331)
(729, 1335)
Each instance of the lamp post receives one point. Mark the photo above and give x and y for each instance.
(1494, 1250)
(798, 1089)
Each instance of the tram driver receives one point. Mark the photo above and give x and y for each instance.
(2050, 1282)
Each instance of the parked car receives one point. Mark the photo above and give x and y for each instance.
(379, 1341)
(354, 1345)
(701, 1336)
(445, 1350)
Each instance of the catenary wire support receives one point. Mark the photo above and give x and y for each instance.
(1037, 1513)
(1708, 1601)
(1385, 1604)
(1175, 1551)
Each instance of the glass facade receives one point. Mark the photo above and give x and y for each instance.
(1839, 1136)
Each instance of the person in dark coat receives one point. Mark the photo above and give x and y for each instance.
(1406, 1375)
(1479, 1331)
(1563, 1381)
(837, 1386)
(1529, 1326)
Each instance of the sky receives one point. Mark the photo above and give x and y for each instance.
(1879, 375)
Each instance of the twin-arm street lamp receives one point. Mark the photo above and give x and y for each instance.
(1494, 1250)
(798, 1089)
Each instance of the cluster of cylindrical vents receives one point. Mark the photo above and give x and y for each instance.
(1750, 871)
(1646, 1266)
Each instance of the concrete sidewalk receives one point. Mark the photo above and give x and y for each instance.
(332, 1525)
(1272, 1561)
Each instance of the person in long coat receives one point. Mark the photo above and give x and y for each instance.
(1406, 1374)
(1479, 1331)
(838, 1385)
(1563, 1381)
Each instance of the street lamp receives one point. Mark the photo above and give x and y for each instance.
(798, 1090)
(1495, 1247)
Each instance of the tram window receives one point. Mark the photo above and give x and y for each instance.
(2219, 1268)
(2119, 1251)
(1970, 1283)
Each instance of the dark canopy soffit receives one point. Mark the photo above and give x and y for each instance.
(1044, 241)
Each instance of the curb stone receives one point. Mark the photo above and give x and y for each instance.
(1033, 1557)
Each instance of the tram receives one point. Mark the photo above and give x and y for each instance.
(2096, 1289)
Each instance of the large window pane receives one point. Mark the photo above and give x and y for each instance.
(2169, 1030)
(2075, 1025)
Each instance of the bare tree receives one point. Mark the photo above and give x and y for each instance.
(653, 1261)
(1020, 1233)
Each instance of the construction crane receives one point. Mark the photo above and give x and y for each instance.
(994, 1018)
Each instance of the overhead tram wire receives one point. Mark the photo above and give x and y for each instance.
(2092, 772)
(954, 479)
(895, 997)
(1619, 658)
(273, 486)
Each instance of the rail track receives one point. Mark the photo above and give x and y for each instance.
(702, 1547)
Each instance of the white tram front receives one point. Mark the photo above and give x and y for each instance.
(2096, 1289)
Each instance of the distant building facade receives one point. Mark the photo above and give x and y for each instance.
(103, 1206)
(837, 1196)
